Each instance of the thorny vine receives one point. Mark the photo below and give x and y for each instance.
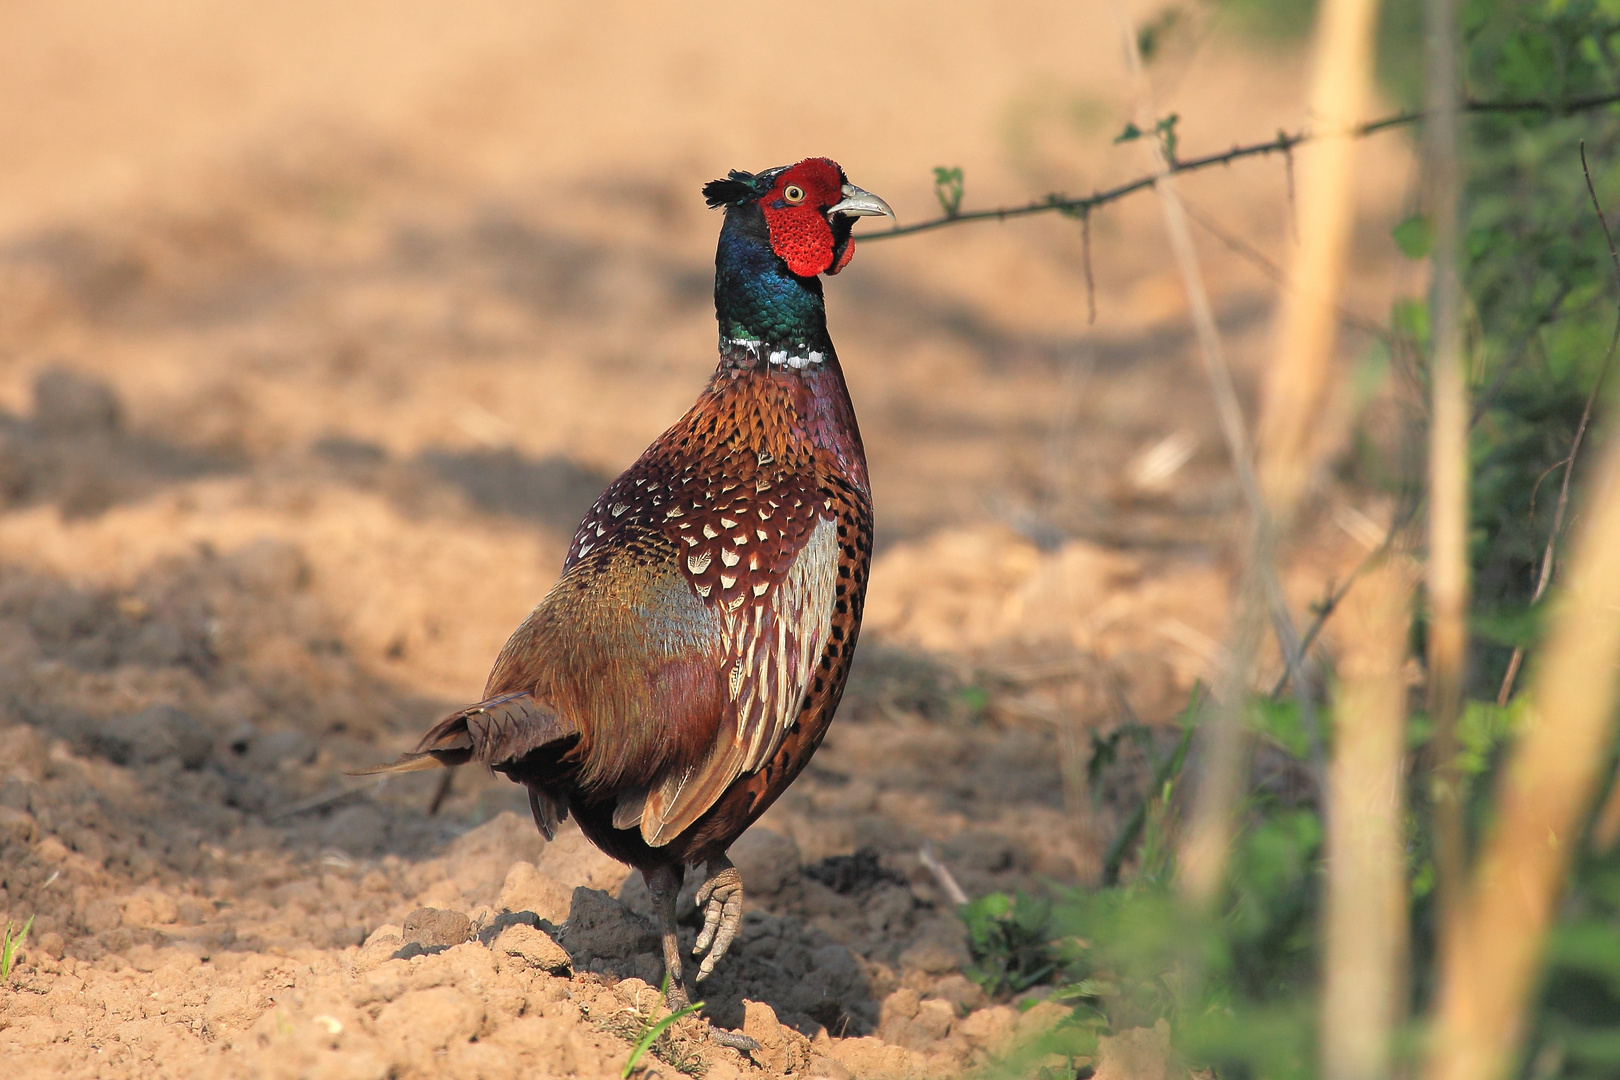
(949, 182)
(1284, 143)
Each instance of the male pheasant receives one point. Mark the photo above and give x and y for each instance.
(684, 667)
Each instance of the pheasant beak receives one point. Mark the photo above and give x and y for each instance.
(858, 203)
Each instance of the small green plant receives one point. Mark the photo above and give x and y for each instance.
(1011, 941)
(1164, 128)
(651, 1030)
(10, 946)
(948, 189)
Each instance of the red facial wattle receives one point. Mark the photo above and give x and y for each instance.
(800, 235)
(844, 256)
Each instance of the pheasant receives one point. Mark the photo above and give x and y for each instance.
(685, 666)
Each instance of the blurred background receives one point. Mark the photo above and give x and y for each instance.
(308, 248)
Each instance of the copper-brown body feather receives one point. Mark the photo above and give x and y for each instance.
(698, 551)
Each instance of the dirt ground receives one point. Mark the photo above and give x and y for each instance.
(320, 327)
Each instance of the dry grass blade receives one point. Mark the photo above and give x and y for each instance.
(1366, 932)
(1489, 957)
(651, 1029)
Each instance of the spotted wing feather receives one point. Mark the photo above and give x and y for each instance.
(757, 548)
(773, 640)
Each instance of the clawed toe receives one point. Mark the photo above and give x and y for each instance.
(721, 900)
(675, 998)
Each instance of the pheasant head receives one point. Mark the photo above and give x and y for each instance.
(783, 228)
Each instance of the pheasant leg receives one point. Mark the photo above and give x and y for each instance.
(721, 899)
(664, 883)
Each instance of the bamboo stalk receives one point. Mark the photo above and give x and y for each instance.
(1490, 953)
(1365, 926)
(1448, 454)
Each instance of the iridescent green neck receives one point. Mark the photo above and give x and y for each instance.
(763, 307)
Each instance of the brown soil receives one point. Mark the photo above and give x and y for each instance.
(318, 333)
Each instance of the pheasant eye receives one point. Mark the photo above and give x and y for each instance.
(793, 195)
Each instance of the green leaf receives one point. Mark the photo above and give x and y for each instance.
(1154, 33)
(1130, 133)
(1511, 626)
(1483, 727)
(10, 946)
(1166, 130)
(1414, 236)
(1282, 723)
(1010, 938)
(651, 1032)
(948, 184)
(1411, 318)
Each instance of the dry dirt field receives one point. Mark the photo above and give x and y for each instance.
(320, 327)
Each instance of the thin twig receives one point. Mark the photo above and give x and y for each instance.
(1284, 143)
(1544, 577)
(1331, 604)
(1293, 213)
(1257, 258)
(942, 876)
(1085, 257)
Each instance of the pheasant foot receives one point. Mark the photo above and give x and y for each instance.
(721, 899)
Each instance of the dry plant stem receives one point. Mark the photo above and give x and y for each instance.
(1300, 378)
(1489, 957)
(1544, 576)
(1448, 454)
(1202, 863)
(1366, 933)
(942, 876)
(1202, 857)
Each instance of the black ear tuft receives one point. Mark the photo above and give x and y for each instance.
(735, 188)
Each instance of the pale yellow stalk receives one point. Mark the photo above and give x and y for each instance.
(1365, 926)
(1490, 954)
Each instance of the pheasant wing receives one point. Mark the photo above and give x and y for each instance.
(767, 564)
